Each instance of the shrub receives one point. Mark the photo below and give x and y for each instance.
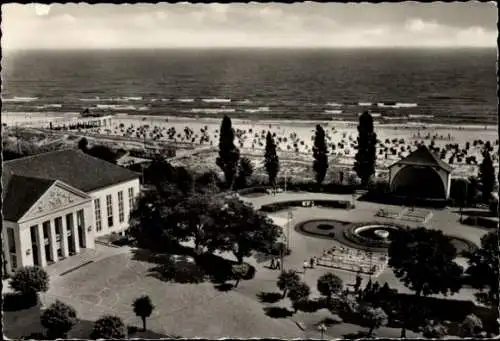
(30, 280)
(58, 319)
(434, 330)
(471, 326)
(109, 327)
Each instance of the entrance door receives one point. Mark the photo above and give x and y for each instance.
(80, 222)
(81, 239)
(69, 233)
(34, 245)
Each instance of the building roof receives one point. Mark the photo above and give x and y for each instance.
(21, 193)
(424, 157)
(71, 166)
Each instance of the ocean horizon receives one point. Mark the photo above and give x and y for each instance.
(436, 85)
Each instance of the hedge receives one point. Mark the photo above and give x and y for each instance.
(279, 206)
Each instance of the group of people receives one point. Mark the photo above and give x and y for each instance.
(275, 264)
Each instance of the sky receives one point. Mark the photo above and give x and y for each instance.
(309, 25)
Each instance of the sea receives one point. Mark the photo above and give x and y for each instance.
(445, 86)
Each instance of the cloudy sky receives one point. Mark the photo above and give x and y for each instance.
(68, 26)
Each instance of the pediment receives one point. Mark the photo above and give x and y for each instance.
(57, 197)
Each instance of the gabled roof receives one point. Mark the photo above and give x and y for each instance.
(72, 167)
(424, 157)
(21, 194)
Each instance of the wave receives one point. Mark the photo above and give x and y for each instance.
(19, 99)
(259, 109)
(334, 104)
(390, 118)
(211, 110)
(48, 106)
(421, 116)
(216, 100)
(333, 111)
(245, 101)
(406, 105)
(115, 107)
(165, 99)
(132, 98)
(396, 105)
(95, 99)
(185, 100)
(365, 104)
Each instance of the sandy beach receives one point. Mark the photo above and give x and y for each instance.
(294, 139)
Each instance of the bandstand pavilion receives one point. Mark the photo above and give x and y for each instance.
(422, 174)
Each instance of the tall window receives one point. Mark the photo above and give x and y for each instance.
(109, 210)
(12, 240)
(80, 219)
(131, 198)
(121, 213)
(98, 221)
(69, 223)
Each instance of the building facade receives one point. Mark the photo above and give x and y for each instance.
(55, 204)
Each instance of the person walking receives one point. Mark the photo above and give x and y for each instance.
(278, 264)
(273, 263)
(305, 266)
(311, 262)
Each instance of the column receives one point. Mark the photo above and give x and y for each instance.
(64, 238)
(74, 232)
(41, 245)
(53, 241)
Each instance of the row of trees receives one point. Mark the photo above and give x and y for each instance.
(229, 154)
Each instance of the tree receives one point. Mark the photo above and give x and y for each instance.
(191, 216)
(434, 330)
(109, 327)
(287, 280)
(58, 319)
(150, 225)
(271, 160)
(239, 271)
(487, 176)
(207, 182)
(245, 171)
(143, 307)
(423, 260)
(238, 228)
(460, 188)
(374, 317)
(30, 280)
(103, 153)
(484, 267)
(83, 144)
(329, 284)
(228, 153)
(364, 166)
(471, 326)
(298, 292)
(320, 154)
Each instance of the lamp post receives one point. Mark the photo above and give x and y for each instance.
(290, 217)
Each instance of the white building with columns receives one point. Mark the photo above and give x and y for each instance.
(56, 203)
